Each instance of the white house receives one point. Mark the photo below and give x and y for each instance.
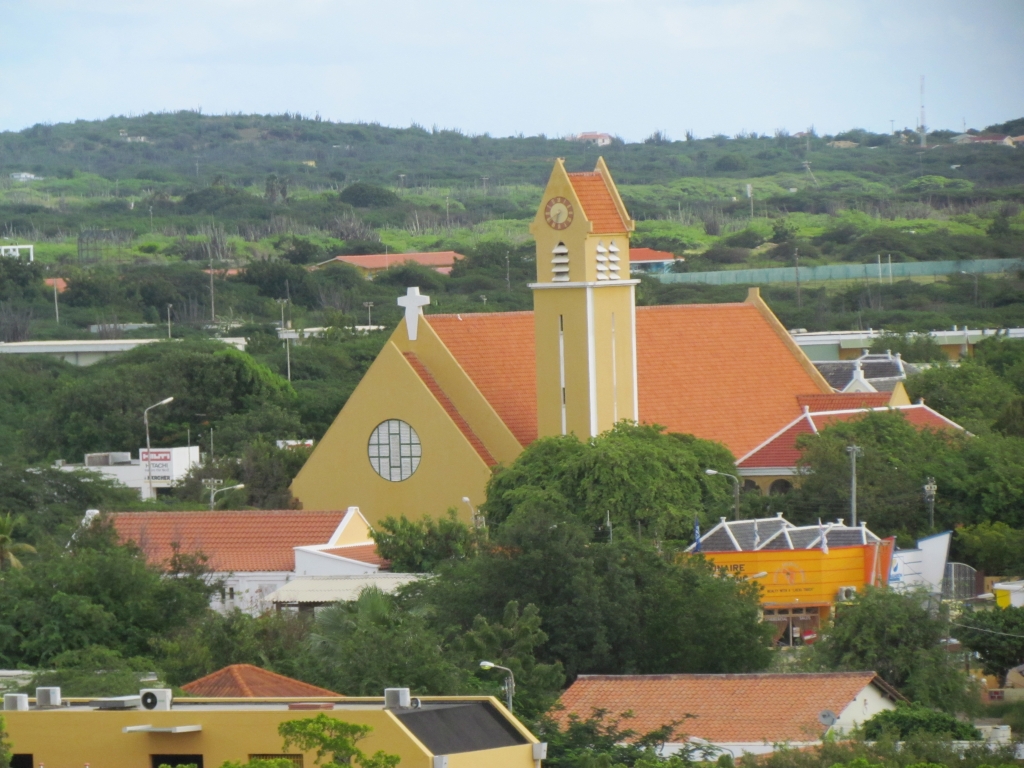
(735, 714)
(256, 552)
(153, 470)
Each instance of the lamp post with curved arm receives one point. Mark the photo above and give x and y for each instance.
(735, 489)
(149, 452)
(510, 680)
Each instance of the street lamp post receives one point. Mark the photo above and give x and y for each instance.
(149, 452)
(929, 496)
(369, 312)
(212, 484)
(735, 489)
(854, 451)
(510, 680)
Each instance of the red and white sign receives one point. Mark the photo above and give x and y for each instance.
(157, 464)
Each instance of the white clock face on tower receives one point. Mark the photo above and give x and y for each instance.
(394, 450)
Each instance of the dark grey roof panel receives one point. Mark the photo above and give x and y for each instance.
(718, 541)
(447, 729)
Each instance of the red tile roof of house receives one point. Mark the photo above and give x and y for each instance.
(60, 282)
(842, 401)
(726, 708)
(718, 371)
(649, 254)
(364, 553)
(256, 540)
(453, 413)
(780, 449)
(247, 681)
(597, 202)
(436, 259)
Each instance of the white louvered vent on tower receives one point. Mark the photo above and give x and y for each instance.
(602, 261)
(613, 262)
(560, 264)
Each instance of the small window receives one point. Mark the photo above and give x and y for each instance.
(174, 761)
(295, 760)
(21, 761)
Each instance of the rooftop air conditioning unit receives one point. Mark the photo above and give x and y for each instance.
(397, 698)
(846, 594)
(16, 702)
(117, 702)
(158, 699)
(47, 697)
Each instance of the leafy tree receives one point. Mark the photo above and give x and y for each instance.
(104, 410)
(418, 547)
(512, 643)
(970, 394)
(334, 740)
(912, 347)
(93, 671)
(94, 591)
(9, 548)
(996, 636)
(605, 607)
(1011, 420)
(364, 195)
(783, 230)
(899, 636)
(213, 640)
(896, 459)
(361, 648)
(604, 740)
(992, 547)
(638, 476)
(908, 719)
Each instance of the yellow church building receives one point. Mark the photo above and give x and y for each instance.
(451, 396)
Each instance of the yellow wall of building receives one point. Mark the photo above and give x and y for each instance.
(338, 474)
(73, 737)
(807, 575)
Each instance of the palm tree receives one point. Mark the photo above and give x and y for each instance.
(9, 548)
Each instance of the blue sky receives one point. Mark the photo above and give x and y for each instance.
(627, 67)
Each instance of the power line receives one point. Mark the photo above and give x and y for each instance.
(990, 631)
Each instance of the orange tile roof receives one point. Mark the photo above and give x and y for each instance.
(247, 681)
(649, 254)
(364, 553)
(717, 371)
(780, 450)
(597, 202)
(496, 350)
(257, 540)
(841, 401)
(453, 413)
(728, 708)
(385, 260)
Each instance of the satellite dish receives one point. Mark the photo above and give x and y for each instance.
(827, 718)
(149, 700)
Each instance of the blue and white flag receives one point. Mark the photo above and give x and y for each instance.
(824, 541)
(696, 534)
(757, 536)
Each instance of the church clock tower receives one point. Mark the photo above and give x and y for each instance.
(584, 306)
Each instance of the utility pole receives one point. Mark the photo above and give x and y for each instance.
(56, 306)
(169, 320)
(924, 131)
(508, 275)
(854, 452)
(213, 311)
(369, 312)
(929, 496)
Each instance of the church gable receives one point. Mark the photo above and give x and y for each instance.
(393, 450)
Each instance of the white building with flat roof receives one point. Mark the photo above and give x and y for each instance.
(153, 470)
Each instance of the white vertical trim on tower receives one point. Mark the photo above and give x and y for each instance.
(592, 360)
(561, 366)
(615, 378)
(636, 392)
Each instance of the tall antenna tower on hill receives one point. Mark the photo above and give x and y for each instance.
(921, 127)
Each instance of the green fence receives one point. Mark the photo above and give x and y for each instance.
(884, 272)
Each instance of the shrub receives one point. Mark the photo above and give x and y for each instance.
(363, 195)
(748, 238)
(908, 719)
(723, 254)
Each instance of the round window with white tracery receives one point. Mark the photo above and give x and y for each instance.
(394, 450)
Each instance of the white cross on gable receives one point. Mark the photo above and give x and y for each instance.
(413, 303)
